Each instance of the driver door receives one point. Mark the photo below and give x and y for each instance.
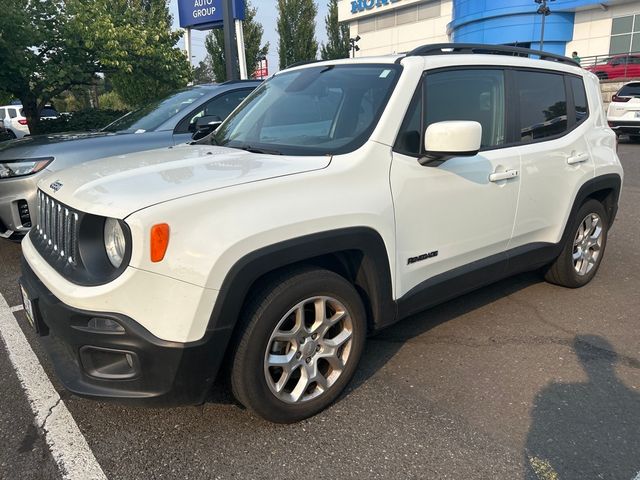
(452, 215)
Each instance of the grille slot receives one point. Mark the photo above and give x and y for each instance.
(56, 233)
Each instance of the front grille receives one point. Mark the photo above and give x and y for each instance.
(56, 232)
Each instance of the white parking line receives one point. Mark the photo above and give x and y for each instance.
(68, 446)
(637, 477)
(17, 308)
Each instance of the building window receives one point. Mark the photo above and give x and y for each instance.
(625, 35)
(400, 16)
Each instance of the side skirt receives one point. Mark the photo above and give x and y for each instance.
(467, 278)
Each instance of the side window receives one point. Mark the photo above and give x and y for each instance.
(476, 95)
(543, 105)
(2, 113)
(409, 137)
(579, 98)
(220, 106)
(12, 112)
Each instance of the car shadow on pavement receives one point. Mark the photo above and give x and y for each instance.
(586, 429)
(383, 346)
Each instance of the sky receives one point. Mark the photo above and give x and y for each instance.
(267, 15)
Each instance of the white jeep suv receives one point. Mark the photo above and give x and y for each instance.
(623, 113)
(337, 199)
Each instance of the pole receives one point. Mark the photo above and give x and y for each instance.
(187, 43)
(230, 47)
(242, 58)
(544, 16)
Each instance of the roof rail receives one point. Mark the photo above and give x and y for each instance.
(303, 62)
(232, 82)
(479, 48)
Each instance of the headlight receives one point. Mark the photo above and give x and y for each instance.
(114, 241)
(20, 168)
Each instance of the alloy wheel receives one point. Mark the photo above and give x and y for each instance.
(308, 350)
(587, 244)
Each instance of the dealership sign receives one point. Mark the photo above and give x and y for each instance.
(358, 6)
(206, 14)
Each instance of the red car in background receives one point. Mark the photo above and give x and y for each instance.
(618, 66)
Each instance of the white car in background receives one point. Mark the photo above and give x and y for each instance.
(624, 111)
(16, 123)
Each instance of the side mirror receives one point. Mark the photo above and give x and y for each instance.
(205, 125)
(444, 140)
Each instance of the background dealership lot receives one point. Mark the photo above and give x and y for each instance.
(492, 385)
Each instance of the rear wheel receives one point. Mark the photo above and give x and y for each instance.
(584, 249)
(12, 135)
(302, 339)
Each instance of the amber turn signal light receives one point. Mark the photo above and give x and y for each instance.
(159, 241)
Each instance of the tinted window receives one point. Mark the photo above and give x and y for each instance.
(2, 113)
(12, 112)
(312, 111)
(579, 98)
(48, 112)
(543, 105)
(220, 106)
(156, 113)
(410, 135)
(630, 90)
(476, 95)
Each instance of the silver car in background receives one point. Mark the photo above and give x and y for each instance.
(171, 121)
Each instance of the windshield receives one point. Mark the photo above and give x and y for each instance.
(151, 116)
(313, 111)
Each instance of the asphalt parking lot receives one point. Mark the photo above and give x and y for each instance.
(520, 380)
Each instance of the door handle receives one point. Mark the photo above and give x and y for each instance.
(579, 158)
(506, 175)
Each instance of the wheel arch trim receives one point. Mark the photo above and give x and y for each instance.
(373, 271)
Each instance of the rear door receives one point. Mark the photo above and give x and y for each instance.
(551, 112)
(452, 215)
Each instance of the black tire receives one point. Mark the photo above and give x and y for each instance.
(634, 138)
(602, 75)
(12, 136)
(562, 271)
(262, 317)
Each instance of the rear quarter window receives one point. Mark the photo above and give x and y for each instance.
(579, 98)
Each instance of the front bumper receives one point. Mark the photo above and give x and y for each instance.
(129, 366)
(15, 193)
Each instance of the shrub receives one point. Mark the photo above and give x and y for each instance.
(80, 121)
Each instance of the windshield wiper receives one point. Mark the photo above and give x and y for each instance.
(265, 151)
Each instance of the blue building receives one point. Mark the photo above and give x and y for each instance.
(514, 22)
(589, 27)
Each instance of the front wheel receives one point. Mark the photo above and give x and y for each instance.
(584, 249)
(303, 337)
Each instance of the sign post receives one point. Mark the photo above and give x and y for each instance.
(187, 43)
(230, 46)
(242, 56)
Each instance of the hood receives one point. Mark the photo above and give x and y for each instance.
(49, 145)
(119, 186)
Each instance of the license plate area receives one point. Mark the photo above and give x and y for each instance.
(31, 312)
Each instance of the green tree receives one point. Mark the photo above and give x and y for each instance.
(338, 45)
(254, 50)
(203, 73)
(146, 63)
(50, 46)
(297, 29)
